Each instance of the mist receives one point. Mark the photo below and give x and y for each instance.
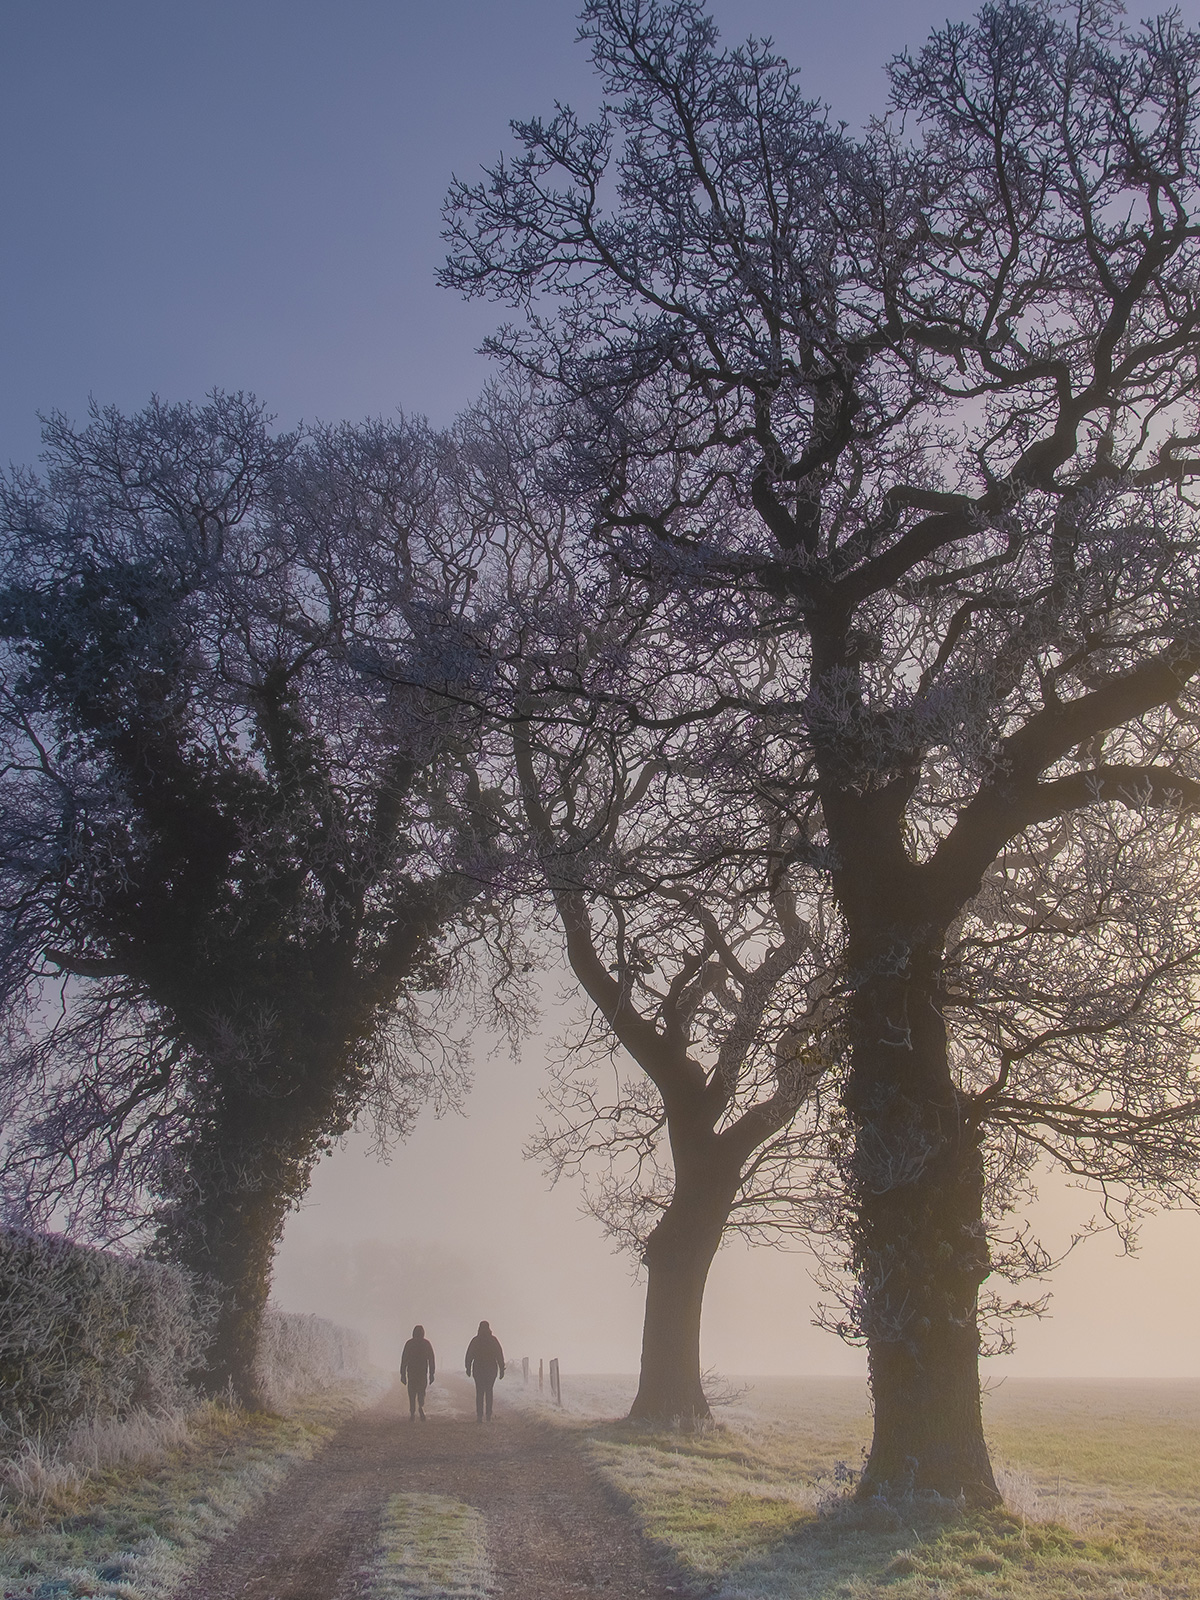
(457, 1225)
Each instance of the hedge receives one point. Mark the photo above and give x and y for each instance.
(91, 1334)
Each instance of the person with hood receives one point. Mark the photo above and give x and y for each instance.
(485, 1362)
(416, 1370)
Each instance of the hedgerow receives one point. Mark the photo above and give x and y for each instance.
(302, 1354)
(89, 1335)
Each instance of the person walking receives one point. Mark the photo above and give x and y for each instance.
(485, 1362)
(416, 1370)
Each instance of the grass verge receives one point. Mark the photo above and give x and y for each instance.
(135, 1529)
(1103, 1501)
(431, 1548)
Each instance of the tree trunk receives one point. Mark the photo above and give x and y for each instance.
(226, 1198)
(242, 1257)
(922, 1258)
(677, 1257)
(228, 1240)
(920, 1244)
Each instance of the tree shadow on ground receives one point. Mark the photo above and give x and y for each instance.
(733, 1516)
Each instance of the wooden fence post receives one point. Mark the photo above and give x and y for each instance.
(555, 1381)
(539, 1374)
(525, 1369)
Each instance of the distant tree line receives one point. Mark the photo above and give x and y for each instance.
(801, 638)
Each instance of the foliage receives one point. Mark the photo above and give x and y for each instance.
(232, 856)
(220, 823)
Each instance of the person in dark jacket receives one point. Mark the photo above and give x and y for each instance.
(416, 1370)
(485, 1363)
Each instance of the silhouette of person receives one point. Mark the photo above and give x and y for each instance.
(485, 1362)
(416, 1370)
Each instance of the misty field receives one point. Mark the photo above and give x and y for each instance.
(1102, 1483)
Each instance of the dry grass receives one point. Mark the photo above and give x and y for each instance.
(1102, 1483)
(40, 1480)
(156, 1495)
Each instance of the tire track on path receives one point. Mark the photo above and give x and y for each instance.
(553, 1531)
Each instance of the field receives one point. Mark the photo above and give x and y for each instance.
(1102, 1482)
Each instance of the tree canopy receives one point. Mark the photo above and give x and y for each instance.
(232, 855)
(915, 414)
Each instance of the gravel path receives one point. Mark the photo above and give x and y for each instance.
(552, 1530)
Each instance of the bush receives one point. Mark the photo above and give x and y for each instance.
(300, 1354)
(89, 1334)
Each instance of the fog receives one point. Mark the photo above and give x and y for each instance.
(459, 1226)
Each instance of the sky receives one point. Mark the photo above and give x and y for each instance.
(245, 194)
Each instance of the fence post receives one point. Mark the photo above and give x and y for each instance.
(539, 1374)
(555, 1381)
(525, 1369)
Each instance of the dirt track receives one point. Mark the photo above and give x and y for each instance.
(552, 1529)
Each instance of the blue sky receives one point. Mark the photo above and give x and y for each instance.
(246, 193)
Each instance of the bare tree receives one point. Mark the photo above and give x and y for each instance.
(917, 410)
(232, 862)
(711, 981)
(712, 1004)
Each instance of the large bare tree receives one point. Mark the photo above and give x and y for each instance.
(690, 1098)
(918, 411)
